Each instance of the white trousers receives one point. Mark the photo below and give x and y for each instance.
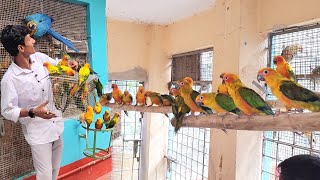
(46, 159)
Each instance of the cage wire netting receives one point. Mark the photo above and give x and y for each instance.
(301, 47)
(70, 22)
(188, 149)
(127, 136)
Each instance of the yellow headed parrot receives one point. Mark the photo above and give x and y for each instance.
(290, 93)
(246, 99)
(114, 120)
(97, 108)
(284, 68)
(179, 108)
(105, 99)
(53, 70)
(88, 115)
(116, 94)
(98, 124)
(66, 70)
(189, 96)
(84, 73)
(140, 96)
(219, 102)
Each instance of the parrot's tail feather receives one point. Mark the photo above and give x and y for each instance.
(178, 124)
(126, 112)
(166, 115)
(62, 39)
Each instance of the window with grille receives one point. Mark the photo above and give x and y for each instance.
(301, 47)
(188, 150)
(127, 137)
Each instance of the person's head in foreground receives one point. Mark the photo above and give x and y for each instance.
(300, 167)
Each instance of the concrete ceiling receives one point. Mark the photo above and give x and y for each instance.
(155, 11)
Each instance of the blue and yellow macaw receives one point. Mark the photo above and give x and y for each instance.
(40, 24)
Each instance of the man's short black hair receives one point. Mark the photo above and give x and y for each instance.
(300, 167)
(12, 36)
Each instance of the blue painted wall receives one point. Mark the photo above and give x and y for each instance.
(97, 41)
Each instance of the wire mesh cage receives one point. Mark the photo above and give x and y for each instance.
(300, 46)
(70, 22)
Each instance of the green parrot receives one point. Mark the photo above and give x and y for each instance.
(219, 102)
(99, 87)
(179, 108)
(114, 120)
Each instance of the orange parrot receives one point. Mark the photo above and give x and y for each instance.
(140, 96)
(64, 60)
(246, 99)
(116, 94)
(284, 68)
(67, 70)
(88, 116)
(98, 124)
(290, 93)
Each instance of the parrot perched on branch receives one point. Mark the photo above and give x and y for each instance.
(284, 68)
(290, 93)
(105, 99)
(179, 108)
(140, 96)
(40, 24)
(98, 124)
(84, 73)
(189, 96)
(246, 99)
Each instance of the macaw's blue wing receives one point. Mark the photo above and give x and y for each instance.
(40, 24)
(62, 39)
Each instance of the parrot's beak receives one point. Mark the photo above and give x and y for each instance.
(200, 103)
(223, 82)
(260, 77)
(274, 62)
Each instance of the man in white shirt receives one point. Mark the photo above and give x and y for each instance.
(26, 96)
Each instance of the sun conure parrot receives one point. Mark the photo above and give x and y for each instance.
(127, 98)
(289, 52)
(219, 102)
(290, 93)
(140, 96)
(155, 98)
(64, 59)
(246, 99)
(179, 108)
(106, 116)
(167, 100)
(284, 68)
(116, 94)
(88, 116)
(98, 124)
(66, 70)
(84, 73)
(189, 96)
(97, 108)
(53, 70)
(40, 24)
(114, 120)
(105, 99)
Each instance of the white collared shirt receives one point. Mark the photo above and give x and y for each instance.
(24, 88)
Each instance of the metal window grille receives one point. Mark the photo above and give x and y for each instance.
(70, 21)
(188, 150)
(305, 43)
(127, 142)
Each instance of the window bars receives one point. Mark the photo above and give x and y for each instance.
(301, 47)
(188, 149)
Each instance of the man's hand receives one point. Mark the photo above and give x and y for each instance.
(41, 111)
(73, 64)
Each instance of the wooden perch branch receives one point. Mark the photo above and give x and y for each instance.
(283, 122)
(152, 109)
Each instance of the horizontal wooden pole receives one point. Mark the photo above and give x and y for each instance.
(282, 122)
(151, 109)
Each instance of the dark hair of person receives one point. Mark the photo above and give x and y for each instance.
(300, 167)
(12, 36)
